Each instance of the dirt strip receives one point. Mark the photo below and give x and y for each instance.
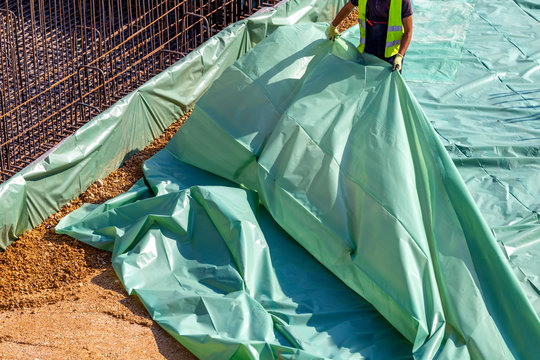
(60, 298)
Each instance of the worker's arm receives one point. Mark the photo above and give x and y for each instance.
(405, 41)
(407, 35)
(343, 13)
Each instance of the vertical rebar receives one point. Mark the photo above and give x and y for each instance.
(4, 149)
(63, 61)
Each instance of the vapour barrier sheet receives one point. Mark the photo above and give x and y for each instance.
(313, 207)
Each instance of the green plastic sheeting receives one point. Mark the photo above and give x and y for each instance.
(340, 154)
(103, 144)
(474, 67)
(218, 273)
(488, 118)
(439, 32)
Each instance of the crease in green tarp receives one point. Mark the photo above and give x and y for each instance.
(345, 161)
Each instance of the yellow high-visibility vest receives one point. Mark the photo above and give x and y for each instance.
(394, 32)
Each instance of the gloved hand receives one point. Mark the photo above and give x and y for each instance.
(397, 62)
(333, 32)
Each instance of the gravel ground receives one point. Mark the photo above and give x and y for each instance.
(60, 298)
(351, 20)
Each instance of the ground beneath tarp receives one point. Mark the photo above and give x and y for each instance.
(60, 298)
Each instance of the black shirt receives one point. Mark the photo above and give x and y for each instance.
(377, 10)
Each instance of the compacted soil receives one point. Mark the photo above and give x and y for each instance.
(60, 298)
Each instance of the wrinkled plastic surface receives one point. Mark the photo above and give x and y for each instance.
(103, 144)
(475, 69)
(345, 161)
(488, 118)
(216, 271)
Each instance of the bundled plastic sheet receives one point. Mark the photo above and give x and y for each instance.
(340, 154)
(216, 271)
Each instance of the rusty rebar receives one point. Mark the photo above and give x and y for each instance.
(63, 61)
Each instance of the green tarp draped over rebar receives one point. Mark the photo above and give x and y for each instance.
(312, 207)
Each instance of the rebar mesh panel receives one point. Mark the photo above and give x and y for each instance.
(64, 61)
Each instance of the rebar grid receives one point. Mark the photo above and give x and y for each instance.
(64, 61)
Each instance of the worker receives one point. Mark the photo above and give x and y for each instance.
(385, 28)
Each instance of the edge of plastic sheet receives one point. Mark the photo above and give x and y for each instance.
(103, 144)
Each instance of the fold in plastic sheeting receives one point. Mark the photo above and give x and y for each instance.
(341, 156)
(103, 144)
